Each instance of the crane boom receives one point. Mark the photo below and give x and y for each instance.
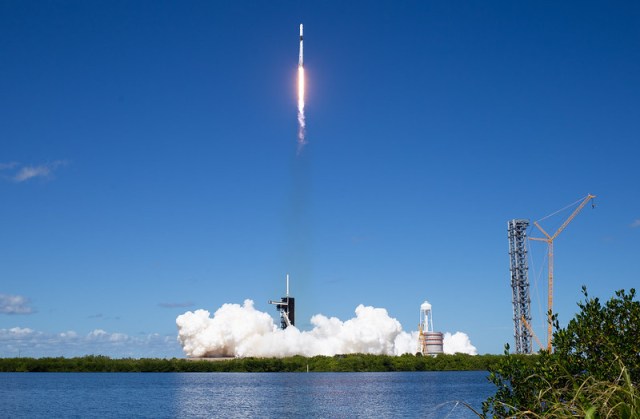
(588, 198)
(526, 323)
(549, 240)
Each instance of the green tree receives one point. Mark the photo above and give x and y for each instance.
(601, 337)
(594, 370)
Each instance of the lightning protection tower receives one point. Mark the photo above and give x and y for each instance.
(520, 285)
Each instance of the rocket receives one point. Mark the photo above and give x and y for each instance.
(301, 56)
(301, 122)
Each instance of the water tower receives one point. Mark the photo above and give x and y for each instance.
(430, 342)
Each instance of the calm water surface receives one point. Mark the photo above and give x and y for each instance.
(242, 395)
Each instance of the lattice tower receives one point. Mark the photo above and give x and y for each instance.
(521, 299)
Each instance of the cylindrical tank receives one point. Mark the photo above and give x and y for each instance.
(434, 343)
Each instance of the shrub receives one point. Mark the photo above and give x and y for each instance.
(593, 372)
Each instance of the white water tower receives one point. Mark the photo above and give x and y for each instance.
(430, 342)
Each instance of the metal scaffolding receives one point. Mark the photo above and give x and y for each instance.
(520, 285)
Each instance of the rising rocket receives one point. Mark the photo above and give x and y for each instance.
(301, 56)
(301, 118)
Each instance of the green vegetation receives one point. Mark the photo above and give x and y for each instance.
(338, 363)
(593, 372)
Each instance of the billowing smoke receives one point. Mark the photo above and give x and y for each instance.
(458, 343)
(243, 331)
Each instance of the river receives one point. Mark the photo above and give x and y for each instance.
(243, 395)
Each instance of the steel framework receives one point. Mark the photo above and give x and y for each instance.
(287, 309)
(521, 299)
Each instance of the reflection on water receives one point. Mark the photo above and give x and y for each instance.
(416, 394)
(242, 395)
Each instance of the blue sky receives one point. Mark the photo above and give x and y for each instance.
(148, 162)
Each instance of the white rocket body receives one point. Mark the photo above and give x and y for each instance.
(301, 56)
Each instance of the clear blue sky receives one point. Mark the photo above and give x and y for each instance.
(148, 164)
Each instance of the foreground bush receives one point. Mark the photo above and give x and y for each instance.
(594, 370)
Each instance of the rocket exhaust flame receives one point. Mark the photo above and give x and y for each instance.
(301, 117)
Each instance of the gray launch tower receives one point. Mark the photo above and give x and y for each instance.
(287, 308)
(520, 285)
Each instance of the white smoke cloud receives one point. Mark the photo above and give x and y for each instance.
(243, 331)
(458, 343)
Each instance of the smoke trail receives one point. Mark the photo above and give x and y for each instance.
(243, 331)
(301, 117)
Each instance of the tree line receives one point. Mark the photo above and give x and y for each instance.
(338, 363)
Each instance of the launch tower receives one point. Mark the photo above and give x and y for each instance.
(287, 308)
(520, 285)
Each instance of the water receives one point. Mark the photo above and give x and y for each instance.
(242, 395)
